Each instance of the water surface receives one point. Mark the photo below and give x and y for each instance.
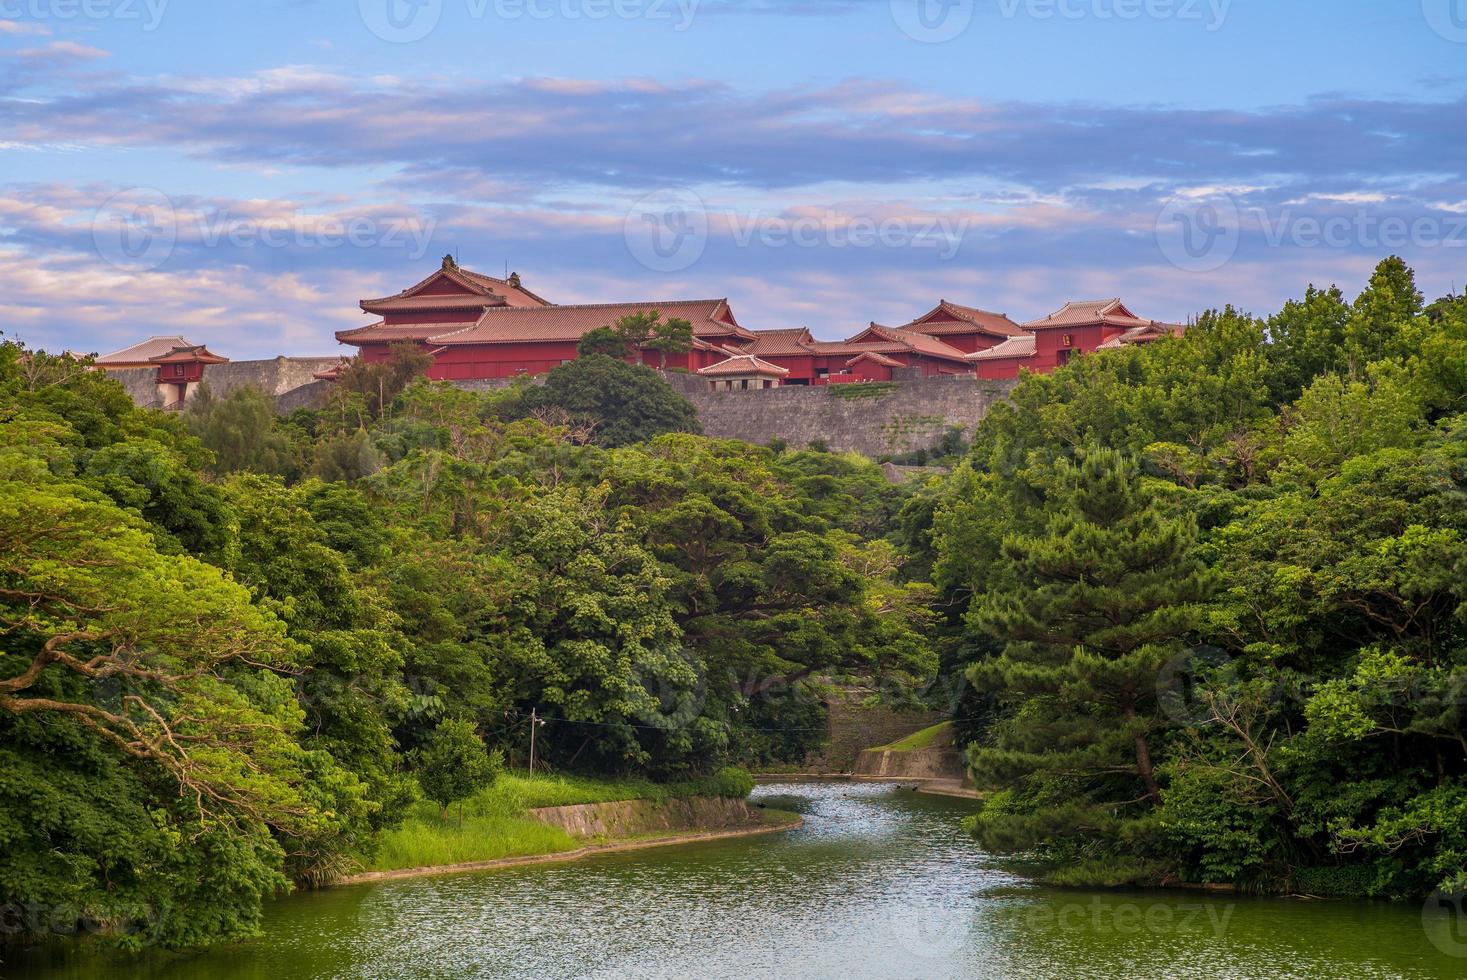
(878, 883)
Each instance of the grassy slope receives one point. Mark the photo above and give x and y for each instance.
(926, 738)
(496, 825)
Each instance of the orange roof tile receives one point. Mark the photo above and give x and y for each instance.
(968, 318)
(479, 290)
(876, 357)
(917, 342)
(384, 333)
(744, 364)
(141, 353)
(530, 324)
(1022, 346)
(189, 354)
(1096, 312)
(1144, 334)
(789, 341)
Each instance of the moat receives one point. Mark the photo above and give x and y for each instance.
(879, 882)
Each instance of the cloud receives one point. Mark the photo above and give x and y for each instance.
(558, 132)
(1049, 201)
(57, 52)
(23, 27)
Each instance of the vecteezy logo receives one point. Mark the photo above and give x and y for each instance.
(1180, 681)
(667, 230)
(1444, 917)
(1447, 17)
(1197, 234)
(933, 932)
(135, 229)
(401, 21)
(932, 21)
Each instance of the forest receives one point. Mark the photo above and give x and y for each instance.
(1205, 601)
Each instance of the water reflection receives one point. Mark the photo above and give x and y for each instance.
(878, 883)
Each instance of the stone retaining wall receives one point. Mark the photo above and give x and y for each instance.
(632, 818)
(877, 419)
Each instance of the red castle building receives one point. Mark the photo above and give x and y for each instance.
(481, 327)
(180, 365)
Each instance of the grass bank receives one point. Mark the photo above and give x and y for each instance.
(496, 823)
(936, 735)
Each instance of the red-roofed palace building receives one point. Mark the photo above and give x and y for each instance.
(1083, 327)
(477, 326)
(481, 327)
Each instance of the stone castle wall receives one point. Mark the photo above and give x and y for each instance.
(876, 419)
(288, 379)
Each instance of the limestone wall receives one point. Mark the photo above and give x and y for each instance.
(631, 818)
(874, 419)
(287, 378)
(856, 726)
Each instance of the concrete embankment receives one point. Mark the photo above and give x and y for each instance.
(627, 825)
(633, 818)
(928, 758)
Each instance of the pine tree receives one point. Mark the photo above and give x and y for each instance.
(1100, 602)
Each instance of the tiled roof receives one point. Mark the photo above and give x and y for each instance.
(874, 356)
(142, 353)
(479, 290)
(968, 319)
(510, 289)
(918, 342)
(189, 354)
(1143, 335)
(744, 364)
(1013, 347)
(433, 301)
(530, 324)
(1098, 312)
(790, 341)
(333, 372)
(382, 333)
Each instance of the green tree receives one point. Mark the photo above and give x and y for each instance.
(673, 336)
(239, 429)
(1100, 601)
(455, 765)
(626, 402)
(379, 383)
(637, 331)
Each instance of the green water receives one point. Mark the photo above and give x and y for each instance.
(878, 883)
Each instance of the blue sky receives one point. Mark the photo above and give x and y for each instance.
(244, 172)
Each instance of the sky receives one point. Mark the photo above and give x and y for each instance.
(243, 173)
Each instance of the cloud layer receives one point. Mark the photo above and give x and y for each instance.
(826, 206)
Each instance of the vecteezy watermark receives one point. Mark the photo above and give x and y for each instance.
(836, 229)
(400, 21)
(930, 932)
(667, 230)
(412, 234)
(135, 229)
(36, 919)
(1203, 234)
(1199, 234)
(935, 21)
(1102, 916)
(1447, 17)
(1180, 684)
(138, 229)
(405, 21)
(932, 21)
(1359, 229)
(1444, 917)
(147, 12)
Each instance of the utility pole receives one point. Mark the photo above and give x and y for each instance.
(534, 723)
